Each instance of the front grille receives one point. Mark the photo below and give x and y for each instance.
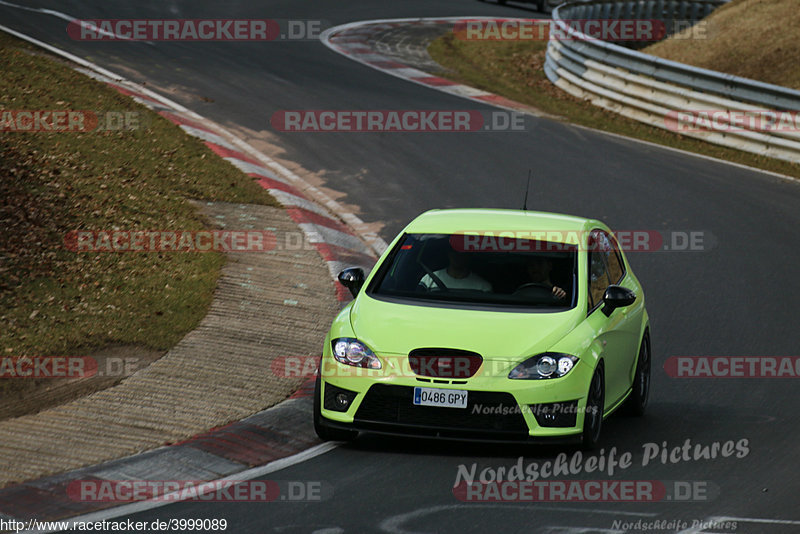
(485, 411)
(445, 363)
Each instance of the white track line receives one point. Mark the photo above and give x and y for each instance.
(69, 18)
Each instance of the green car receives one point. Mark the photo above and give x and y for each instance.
(484, 324)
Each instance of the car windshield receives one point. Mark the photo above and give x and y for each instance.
(479, 270)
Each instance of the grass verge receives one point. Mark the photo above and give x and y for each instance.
(57, 302)
(757, 39)
(515, 69)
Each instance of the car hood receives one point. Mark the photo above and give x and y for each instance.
(391, 327)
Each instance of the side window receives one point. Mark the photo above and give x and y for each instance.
(598, 271)
(616, 269)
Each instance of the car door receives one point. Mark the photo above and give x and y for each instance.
(616, 333)
(629, 327)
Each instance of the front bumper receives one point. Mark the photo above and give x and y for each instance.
(389, 410)
(498, 410)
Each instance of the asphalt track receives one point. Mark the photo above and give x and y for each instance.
(739, 297)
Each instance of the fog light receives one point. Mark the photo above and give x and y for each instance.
(342, 401)
(556, 414)
(338, 399)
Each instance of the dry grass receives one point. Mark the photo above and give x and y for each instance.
(758, 39)
(57, 302)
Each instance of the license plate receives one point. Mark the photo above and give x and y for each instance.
(443, 398)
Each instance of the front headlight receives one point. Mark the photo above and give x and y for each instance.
(545, 365)
(350, 351)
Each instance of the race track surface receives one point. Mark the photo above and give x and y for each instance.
(736, 298)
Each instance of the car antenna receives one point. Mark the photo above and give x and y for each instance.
(527, 187)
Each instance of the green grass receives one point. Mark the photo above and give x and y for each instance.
(57, 302)
(515, 69)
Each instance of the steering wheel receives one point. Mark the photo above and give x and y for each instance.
(535, 289)
(436, 279)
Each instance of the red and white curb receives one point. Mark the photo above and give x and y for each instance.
(265, 442)
(354, 41)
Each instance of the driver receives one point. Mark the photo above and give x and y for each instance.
(539, 269)
(457, 275)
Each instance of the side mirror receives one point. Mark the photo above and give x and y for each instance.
(617, 297)
(352, 279)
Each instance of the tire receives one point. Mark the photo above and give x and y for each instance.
(593, 416)
(636, 403)
(326, 433)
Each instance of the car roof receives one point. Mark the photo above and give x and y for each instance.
(457, 221)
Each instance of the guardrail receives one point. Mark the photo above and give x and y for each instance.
(665, 93)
